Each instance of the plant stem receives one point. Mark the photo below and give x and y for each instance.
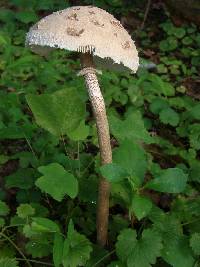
(37, 262)
(16, 247)
(99, 110)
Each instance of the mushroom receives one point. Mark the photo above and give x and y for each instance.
(101, 41)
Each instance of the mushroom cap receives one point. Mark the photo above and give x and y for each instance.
(86, 29)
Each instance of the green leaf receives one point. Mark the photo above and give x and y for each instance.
(113, 172)
(158, 104)
(131, 128)
(25, 210)
(4, 209)
(57, 182)
(138, 253)
(160, 87)
(132, 158)
(168, 44)
(169, 116)
(194, 135)
(80, 133)
(7, 262)
(39, 248)
(122, 192)
(141, 206)
(168, 226)
(58, 249)
(195, 243)
(179, 32)
(26, 16)
(178, 253)
(172, 180)
(44, 225)
(22, 179)
(195, 112)
(7, 252)
(77, 248)
(187, 40)
(60, 112)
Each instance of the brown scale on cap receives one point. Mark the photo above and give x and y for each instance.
(74, 32)
(116, 23)
(97, 23)
(126, 45)
(91, 12)
(73, 17)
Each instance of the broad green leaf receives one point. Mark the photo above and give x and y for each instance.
(195, 243)
(159, 86)
(6, 15)
(16, 132)
(178, 253)
(131, 128)
(44, 225)
(126, 244)
(59, 112)
(169, 44)
(195, 112)
(80, 133)
(172, 180)
(25, 210)
(122, 192)
(194, 135)
(57, 182)
(179, 32)
(30, 232)
(113, 172)
(27, 16)
(4, 209)
(7, 252)
(141, 206)
(131, 157)
(39, 248)
(168, 226)
(22, 179)
(8, 262)
(158, 104)
(58, 249)
(77, 248)
(169, 116)
(138, 253)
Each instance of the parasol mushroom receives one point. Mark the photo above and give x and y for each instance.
(101, 41)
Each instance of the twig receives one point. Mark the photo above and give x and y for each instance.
(145, 14)
(103, 258)
(18, 249)
(37, 262)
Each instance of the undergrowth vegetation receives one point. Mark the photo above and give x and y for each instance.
(49, 161)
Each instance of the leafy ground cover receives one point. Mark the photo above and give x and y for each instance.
(49, 154)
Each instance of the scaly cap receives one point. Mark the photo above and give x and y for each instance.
(86, 29)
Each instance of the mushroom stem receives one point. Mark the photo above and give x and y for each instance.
(99, 110)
